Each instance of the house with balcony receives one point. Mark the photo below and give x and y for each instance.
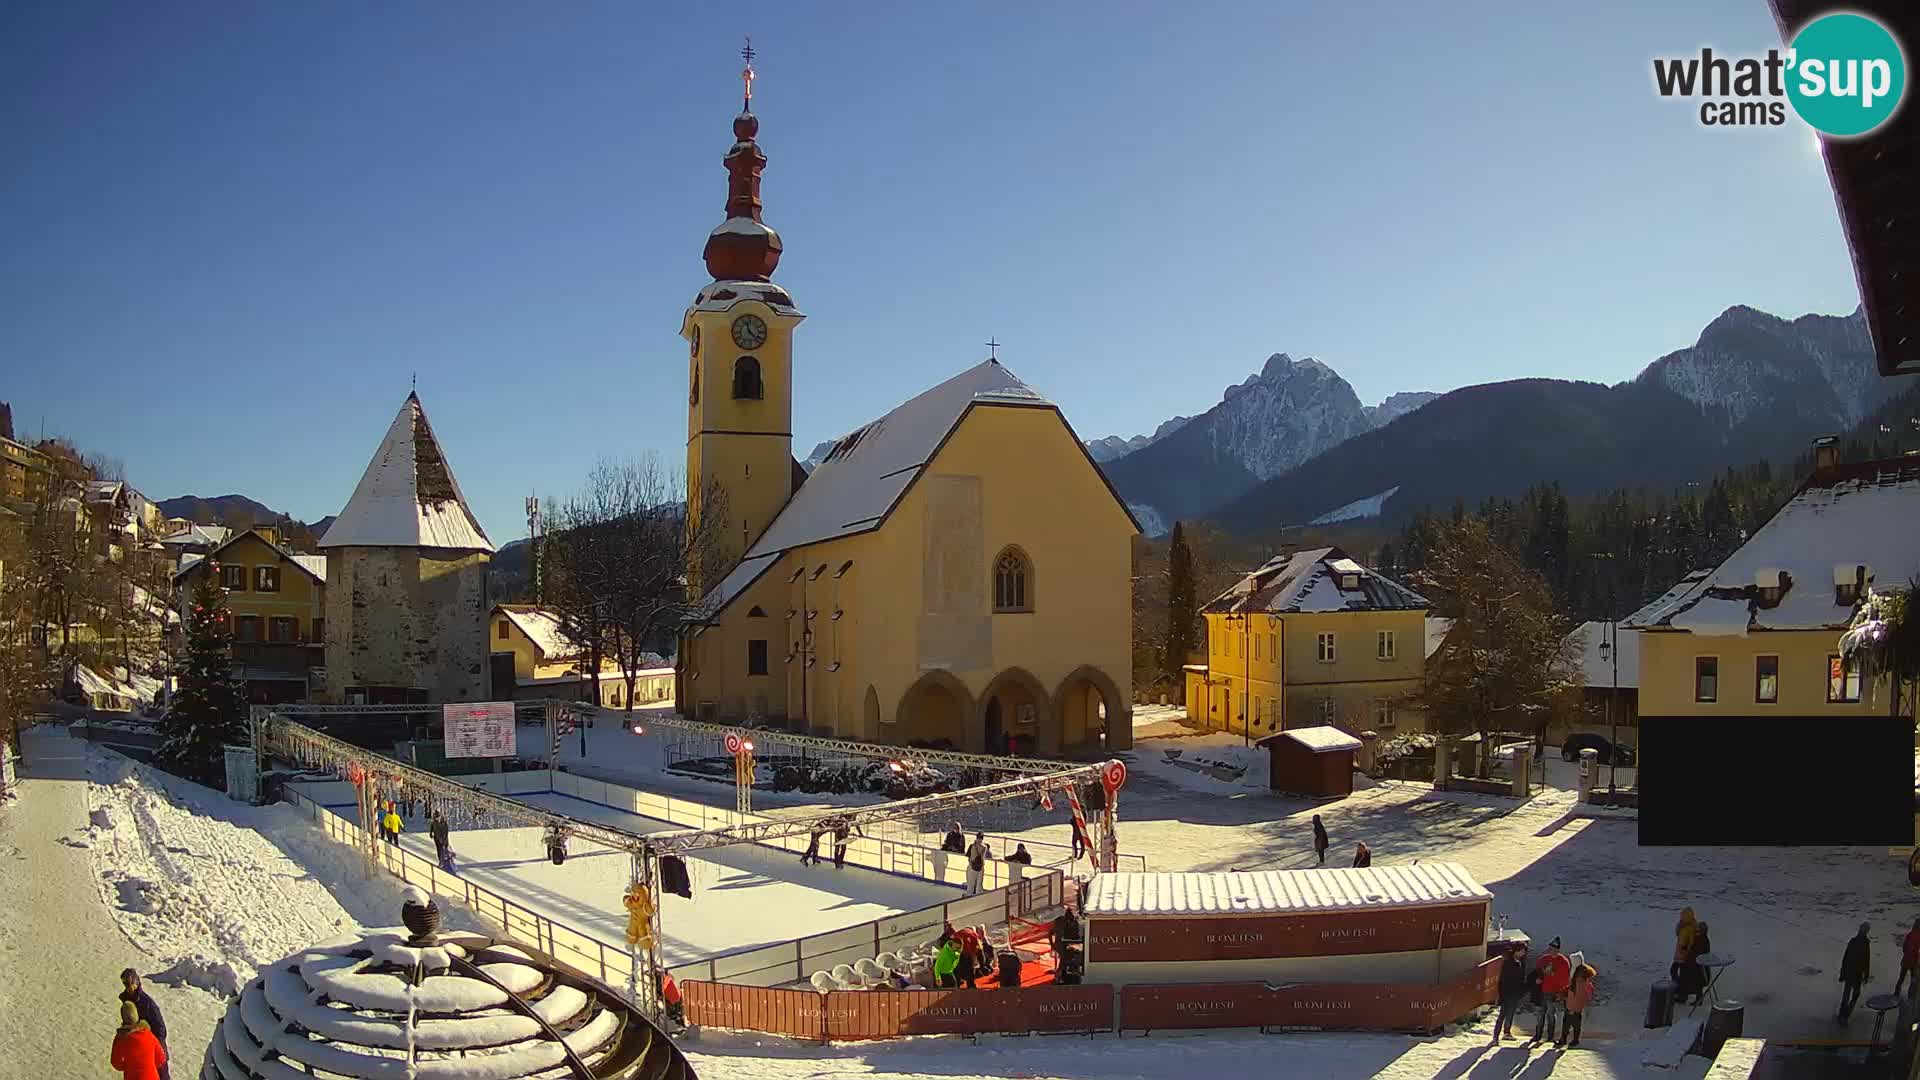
(277, 599)
(528, 639)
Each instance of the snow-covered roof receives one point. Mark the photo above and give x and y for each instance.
(1309, 581)
(1437, 630)
(1599, 669)
(1321, 739)
(408, 496)
(867, 471)
(542, 627)
(743, 574)
(1681, 588)
(195, 535)
(1864, 515)
(1282, 891)
(721, 295)
(315, 565)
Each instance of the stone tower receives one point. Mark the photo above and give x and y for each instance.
(739, 333)
(407, 569)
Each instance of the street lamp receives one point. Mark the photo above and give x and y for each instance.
(1610, 652)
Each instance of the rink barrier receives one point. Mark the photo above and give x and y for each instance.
(765, 966)
(886, 1014)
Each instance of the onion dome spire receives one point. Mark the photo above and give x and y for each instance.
(743, 248)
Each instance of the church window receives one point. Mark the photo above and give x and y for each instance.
(1012, 581)
(693, 391)
(746, 379)
(756, 612)
(757, 656)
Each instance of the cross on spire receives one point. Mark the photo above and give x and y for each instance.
(994, 346)
(747, 75)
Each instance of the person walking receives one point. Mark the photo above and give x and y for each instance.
(136, 1053)
(1018, 862)
(977, 856)
(1682, 943)
(1909, 958)
(1513, 987)
(1320, 842)
(148, 1010)
(1579, 994)
(1856, 967)
(840, 832)
(392, 824)
(442, 840)
(811, 856)
(1362, 854)
(1555, 976)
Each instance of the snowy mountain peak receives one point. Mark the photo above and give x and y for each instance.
(1748, 362)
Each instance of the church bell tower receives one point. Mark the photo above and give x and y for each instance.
(739, 334)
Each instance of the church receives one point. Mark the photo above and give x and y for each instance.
(956, 573)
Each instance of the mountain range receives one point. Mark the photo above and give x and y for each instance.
(1752, 386)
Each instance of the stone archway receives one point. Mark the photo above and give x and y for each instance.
(1088, 702)
(870, 714)
(1015, 706)
(936, 708)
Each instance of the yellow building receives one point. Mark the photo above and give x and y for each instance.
(1311, 638)
(277, 600)
(1759, 636)
(955, 572)
(547, 665)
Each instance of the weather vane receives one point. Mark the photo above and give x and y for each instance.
(746, 73)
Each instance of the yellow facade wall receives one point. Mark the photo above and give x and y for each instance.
(1014, 476)
(1268, 661)
(1667, 675)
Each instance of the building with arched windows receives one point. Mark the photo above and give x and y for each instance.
(956, 572)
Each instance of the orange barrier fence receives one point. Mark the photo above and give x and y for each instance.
(885, 1014)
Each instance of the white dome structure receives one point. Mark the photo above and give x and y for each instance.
(422, 1006)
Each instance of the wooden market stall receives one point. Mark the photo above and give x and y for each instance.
(1418, 924)
(1311, 761)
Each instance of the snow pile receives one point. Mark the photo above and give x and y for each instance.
(213, 889)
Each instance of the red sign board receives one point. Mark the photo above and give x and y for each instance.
(1266, 937)
(1351, 1006)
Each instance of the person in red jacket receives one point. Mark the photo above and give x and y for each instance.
(670, 995)
(1556, 974)
(136, 1053)
(1909, 958)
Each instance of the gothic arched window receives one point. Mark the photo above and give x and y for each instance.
(746, 379)
(1012, 581)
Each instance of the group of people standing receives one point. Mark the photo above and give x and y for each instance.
(842, 836)
(390, 824)
(140, 1046)
(1559, 986)
(1856, 967)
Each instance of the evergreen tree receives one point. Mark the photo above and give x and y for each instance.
(1182, 609)
(208, 711)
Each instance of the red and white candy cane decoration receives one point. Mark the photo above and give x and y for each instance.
(733, 743)
(1079, 821)
(1113, 776)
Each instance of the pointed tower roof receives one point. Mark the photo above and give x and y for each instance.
(408, 496)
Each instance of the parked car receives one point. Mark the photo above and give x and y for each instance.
(1570, 750)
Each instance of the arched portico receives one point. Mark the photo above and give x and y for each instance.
(1088, 702)
(1015, 706)
(936, 707)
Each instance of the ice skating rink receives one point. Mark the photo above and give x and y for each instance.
(744, 896)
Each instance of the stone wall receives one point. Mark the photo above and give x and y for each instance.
(404, 617)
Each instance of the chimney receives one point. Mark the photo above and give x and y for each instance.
(1826, 452)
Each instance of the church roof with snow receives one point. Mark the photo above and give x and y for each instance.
(1314, 581)
(1842, 519)
(408, 496)
(869, 470)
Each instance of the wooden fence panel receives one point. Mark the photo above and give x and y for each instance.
(799, 1014)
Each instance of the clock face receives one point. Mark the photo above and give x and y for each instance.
(696, 340)
(749, 332)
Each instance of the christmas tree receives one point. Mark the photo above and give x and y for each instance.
(208, 711)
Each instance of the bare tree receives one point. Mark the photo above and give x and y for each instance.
(1507, 663)
(619, 557)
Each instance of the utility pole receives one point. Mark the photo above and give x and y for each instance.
(533, 545)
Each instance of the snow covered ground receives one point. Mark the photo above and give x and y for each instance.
(175, 879)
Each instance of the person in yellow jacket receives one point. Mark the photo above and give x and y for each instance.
(390, 825)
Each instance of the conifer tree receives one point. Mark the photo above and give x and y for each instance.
(208, 710)
(1181, 609)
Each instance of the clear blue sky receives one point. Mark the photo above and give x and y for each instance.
(230, 232)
